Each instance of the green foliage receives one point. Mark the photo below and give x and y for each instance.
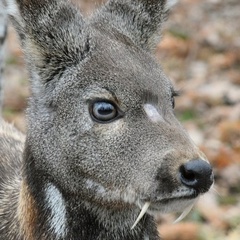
(187, 115)
(179, 33)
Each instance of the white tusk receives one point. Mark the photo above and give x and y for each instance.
(141, 214)
(184, 214)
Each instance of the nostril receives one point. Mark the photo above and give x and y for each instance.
(197, 174)
(188, 177)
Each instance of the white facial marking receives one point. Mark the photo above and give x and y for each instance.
(127, 195)
(56, 204)
(152, 113)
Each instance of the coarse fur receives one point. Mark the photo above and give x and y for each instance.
(80, 177)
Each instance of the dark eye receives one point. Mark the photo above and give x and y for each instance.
(103, 111)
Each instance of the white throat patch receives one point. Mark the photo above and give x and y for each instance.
(152, 113)
(56, 204)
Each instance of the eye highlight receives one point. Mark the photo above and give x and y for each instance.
(104, 111)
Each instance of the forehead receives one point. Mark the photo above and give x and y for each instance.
(123, 68)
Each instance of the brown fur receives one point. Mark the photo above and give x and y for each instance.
(27, 212)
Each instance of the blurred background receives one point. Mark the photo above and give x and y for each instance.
(200, 52)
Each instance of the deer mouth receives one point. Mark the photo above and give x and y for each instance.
(180, 195)
(182, 204)
(172, 204)
(190, 196)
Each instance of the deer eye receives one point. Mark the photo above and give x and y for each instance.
(104, 111)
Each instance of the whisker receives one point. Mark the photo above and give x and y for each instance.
(213, 189)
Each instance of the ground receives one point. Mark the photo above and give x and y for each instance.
(200, 52)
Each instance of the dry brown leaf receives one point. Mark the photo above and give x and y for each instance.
(180, 231)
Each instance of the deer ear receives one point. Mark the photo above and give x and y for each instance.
(53, 35)
(140, 20)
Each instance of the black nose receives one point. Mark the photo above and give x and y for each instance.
(197, 174)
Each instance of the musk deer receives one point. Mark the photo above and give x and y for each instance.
(104, 153)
